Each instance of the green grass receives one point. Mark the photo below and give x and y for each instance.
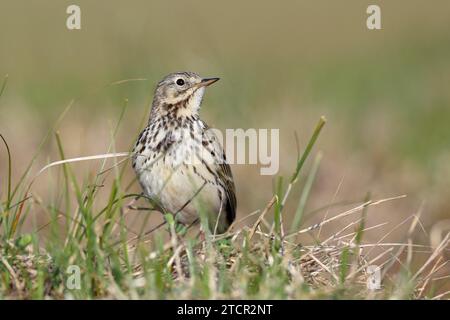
(386, 94)
(261, 260)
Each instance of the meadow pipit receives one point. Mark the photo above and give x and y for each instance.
(179, 161)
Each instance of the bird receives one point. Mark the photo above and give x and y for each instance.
(178, 159)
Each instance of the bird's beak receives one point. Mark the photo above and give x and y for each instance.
(208, 81)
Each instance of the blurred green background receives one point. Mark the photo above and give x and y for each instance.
(385, 93)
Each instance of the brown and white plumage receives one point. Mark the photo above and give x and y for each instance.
(179, 162)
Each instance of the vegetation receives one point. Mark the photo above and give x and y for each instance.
(337, 205)
(89, 253)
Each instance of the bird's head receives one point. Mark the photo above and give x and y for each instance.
(182, 91)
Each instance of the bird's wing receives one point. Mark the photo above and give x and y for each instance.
(224, 172)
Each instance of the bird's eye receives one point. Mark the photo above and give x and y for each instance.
(180, 82)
